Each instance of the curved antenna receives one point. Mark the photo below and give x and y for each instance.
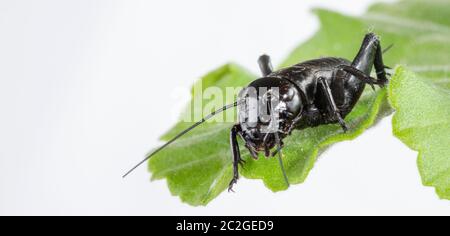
(181, 134)
(277, 140)
(280, 159)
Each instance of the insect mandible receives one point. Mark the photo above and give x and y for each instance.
(312, 93)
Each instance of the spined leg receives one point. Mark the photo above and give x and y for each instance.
(236, 155)
(362, 76)
(369, 55)
(265, 65)
(332, 104)
(380, 67)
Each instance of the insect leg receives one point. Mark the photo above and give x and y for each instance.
(236, 155)
(265, 65)
(362, 76)
(326, 88)
(380, 67)
(364, 60)
(369, 55)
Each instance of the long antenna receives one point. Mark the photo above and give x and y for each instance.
(280, 159)
(277, 140)
(181, 134)
(387, 49)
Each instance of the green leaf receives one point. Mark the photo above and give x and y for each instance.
(422, 122)
(198, 166)
(421, 99)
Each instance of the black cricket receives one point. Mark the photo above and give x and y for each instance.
(312, 93)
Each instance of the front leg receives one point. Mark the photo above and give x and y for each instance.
(236, 155)
(332, 104)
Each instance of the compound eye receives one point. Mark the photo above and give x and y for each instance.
(288, 94)
(293, 102)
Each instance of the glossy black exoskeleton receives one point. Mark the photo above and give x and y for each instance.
(315, 92)
(309, 94)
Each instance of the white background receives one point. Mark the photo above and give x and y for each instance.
(85, 88)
